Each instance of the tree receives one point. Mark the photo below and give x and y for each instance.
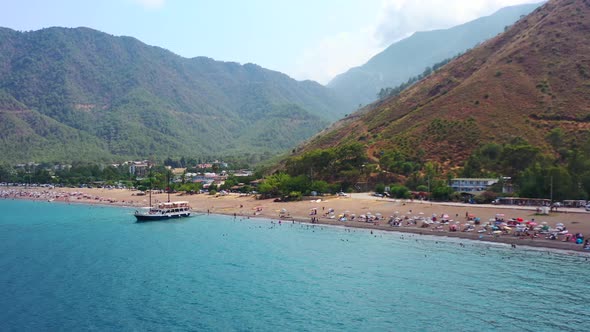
(380, 188)
(516, 158)
(319, 186)
(274, 185)
(442, 193)
(400, 191)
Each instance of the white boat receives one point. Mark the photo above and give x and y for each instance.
(164, 211)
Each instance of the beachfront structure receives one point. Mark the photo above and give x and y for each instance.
(470, 185)
(139, 169)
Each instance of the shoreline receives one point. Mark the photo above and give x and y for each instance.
(248, 207)
(537, 243)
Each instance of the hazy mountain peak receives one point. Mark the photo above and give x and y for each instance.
(410, 56)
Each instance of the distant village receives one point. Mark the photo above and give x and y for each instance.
(140, 169)
(206, 174)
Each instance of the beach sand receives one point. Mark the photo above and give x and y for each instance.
(576, 220)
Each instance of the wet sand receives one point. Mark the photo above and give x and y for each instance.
(576, 220)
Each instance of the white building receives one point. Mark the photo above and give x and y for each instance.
(472, 184)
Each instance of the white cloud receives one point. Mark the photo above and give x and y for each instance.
(396, 20)
(150, 4)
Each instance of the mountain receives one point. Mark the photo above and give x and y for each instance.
(411, 56)
(522, 85)
(80, 94)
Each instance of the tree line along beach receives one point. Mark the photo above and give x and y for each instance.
(469, 221)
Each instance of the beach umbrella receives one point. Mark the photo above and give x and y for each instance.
(445, 215)
(519, 219)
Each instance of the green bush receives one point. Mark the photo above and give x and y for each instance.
(380, 188)
(399, 191)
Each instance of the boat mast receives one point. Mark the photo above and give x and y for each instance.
(168, 180)
(150, 184)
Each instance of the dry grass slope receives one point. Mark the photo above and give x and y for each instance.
(532, 78)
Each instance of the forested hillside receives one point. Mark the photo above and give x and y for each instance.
(82, 94)
(516, 106)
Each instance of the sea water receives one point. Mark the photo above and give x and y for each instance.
(80, 267)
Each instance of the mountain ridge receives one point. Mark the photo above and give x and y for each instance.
(531, 79)
(130, 99)
(410, 56)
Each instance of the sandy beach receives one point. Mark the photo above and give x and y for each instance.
(575, 220)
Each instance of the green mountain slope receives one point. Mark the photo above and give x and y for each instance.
(111, 97)
(409, 57)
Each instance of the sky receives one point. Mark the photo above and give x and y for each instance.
(305, 39)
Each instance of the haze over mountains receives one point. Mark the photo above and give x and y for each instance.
(518, 86)
(409, 57)
(83, 94)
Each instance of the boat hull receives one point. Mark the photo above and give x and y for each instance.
(144, 218)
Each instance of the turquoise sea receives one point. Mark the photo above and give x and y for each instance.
(76, 267)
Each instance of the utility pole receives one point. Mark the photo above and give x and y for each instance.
(429, 187)
(551, 190)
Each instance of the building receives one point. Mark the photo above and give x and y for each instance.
(139, 168)
(472, 185)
